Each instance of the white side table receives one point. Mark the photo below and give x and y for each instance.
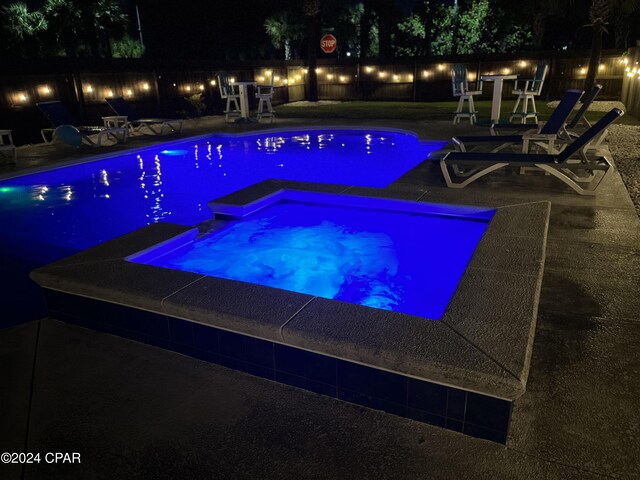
(6, 144)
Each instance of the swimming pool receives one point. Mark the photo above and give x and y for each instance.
(49, 215)
(387, 254)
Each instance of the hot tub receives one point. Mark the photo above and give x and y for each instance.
(388, 254)
(457, 361)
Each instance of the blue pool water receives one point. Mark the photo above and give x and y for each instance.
(49, 215)
(393, 260)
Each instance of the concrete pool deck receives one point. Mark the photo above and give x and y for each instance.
(140, 412)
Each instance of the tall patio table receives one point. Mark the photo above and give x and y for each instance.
(498, 81)
(244, 101)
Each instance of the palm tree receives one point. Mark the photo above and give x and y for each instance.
(21, 28)
(599, 14)
(311, 10)
(283, 28)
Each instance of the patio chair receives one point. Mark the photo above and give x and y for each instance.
(544, 135)
(7, 146)
(460, 85)
(66, 130)
(577, 120)
(582, 174)
(156, 126)
(264, 94)
(229, 92)
(529, 89)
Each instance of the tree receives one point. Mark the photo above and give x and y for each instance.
(624, 10)
(599, 15)
(22, 29)
(311, 10)
(84, 27)
(410, 37)
(365, 30)
(283, 28)
(127, 47)
(348, 28)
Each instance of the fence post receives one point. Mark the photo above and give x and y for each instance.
(415, 76)
(77, 86)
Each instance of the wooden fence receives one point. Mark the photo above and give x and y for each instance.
(160, 88)
(631, 82)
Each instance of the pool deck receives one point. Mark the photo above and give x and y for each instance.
(135, 411)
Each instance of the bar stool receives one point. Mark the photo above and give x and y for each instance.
(461, 89)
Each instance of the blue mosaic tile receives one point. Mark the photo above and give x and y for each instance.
(231, 344)
(231, 362)
(321, 388)
(372, 402)
(258, 370)
(153, 324)
(456, 400)
(290, 379)
(485, 433)
(424, 417)
(180, 348)
(455, 425)
(181, 332)
(320, 368)
(72, 306)
(259, 352)
(488, 412)
(372, 382)
(289, 360)
(428, 397)
(206, 356)
(118, 316)
(205, 338)
(469, 413)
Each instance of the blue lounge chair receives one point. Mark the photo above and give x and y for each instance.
(66, 129)
(583, 174)
(548, 133)
(155, 126)
(579, 118)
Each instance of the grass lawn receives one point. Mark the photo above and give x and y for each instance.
(416, 111)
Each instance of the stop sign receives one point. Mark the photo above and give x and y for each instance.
(328, 43)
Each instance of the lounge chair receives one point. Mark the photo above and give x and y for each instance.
(229, 92)
(571, 130)
(7, 146)
(583, 174)
(65, 128)
(528, 90)
(155, 126)
(460, 85)
(579, 118)
(544, 136)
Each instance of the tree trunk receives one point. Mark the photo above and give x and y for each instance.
(365, 30)
(313, 39)
(594, 59)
